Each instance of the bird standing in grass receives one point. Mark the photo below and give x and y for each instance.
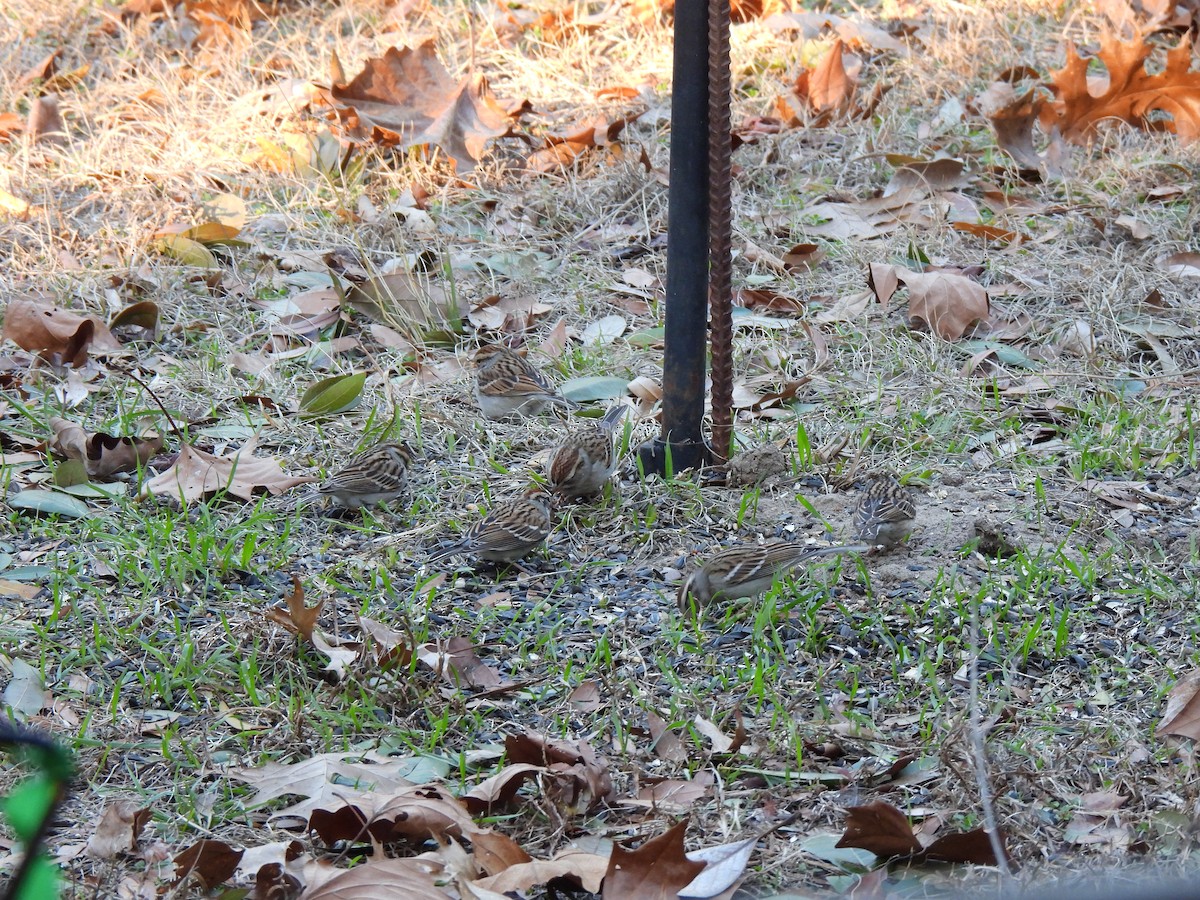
(586, 458)
(885, 513)
(508, 385)
(748, 570)
(374, 476)
(507, 533)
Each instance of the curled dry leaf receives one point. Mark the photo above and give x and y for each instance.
(407, 98)
(498, 791)
(582, 780)
(948, 304)
(102, 454)
(880, 828)
(118, 830)
(42, 327)
(197, 474)
(1182, 716)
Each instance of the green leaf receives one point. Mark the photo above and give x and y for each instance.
(41, 882)
(333, 395)
(27, 805)
(647, 337)
(70, 472)
(50, 503)
(849, 859)
(594, 387)
(187, 251)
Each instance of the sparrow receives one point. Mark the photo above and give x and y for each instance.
(507, 385)
(885, 513)
(372, 477)
(586, 459)
(747, 570)
(508, 532)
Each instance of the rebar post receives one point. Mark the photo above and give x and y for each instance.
(720, 279)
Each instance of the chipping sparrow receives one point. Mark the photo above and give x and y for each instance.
(747, 570)
(884, 516)
(508, 532)
(371, 477)
(586, 459)
(507, 385)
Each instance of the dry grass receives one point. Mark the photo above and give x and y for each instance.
(1081, 632)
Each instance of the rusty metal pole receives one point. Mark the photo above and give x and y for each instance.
(681, 442)
(720, 286)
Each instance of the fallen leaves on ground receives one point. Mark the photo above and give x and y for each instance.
(41, 326)
(407, 98)
(102, 454)
(884, 830)
(197, 474)
(600, 132)
(581, 779)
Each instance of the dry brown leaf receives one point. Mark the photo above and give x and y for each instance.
(880, 828)
(496, 852)
(498, 791)
(197, 474)
(45, 122)
(407, 98)
(948, 304)
(298, 618)
(827, 90)
(11, 124)
(657, 870)
(42, 327)
(321, 777)
(586, 697)
(118, 830)
(1165, 101)
(964, 847)
(102, 454)
(672, 795)
(210, 862)
(1182, 716)
(459, 665)
(883, 281)
(666, 743)
(1012, 117)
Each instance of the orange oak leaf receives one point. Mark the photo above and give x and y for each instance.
(1164, 101)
